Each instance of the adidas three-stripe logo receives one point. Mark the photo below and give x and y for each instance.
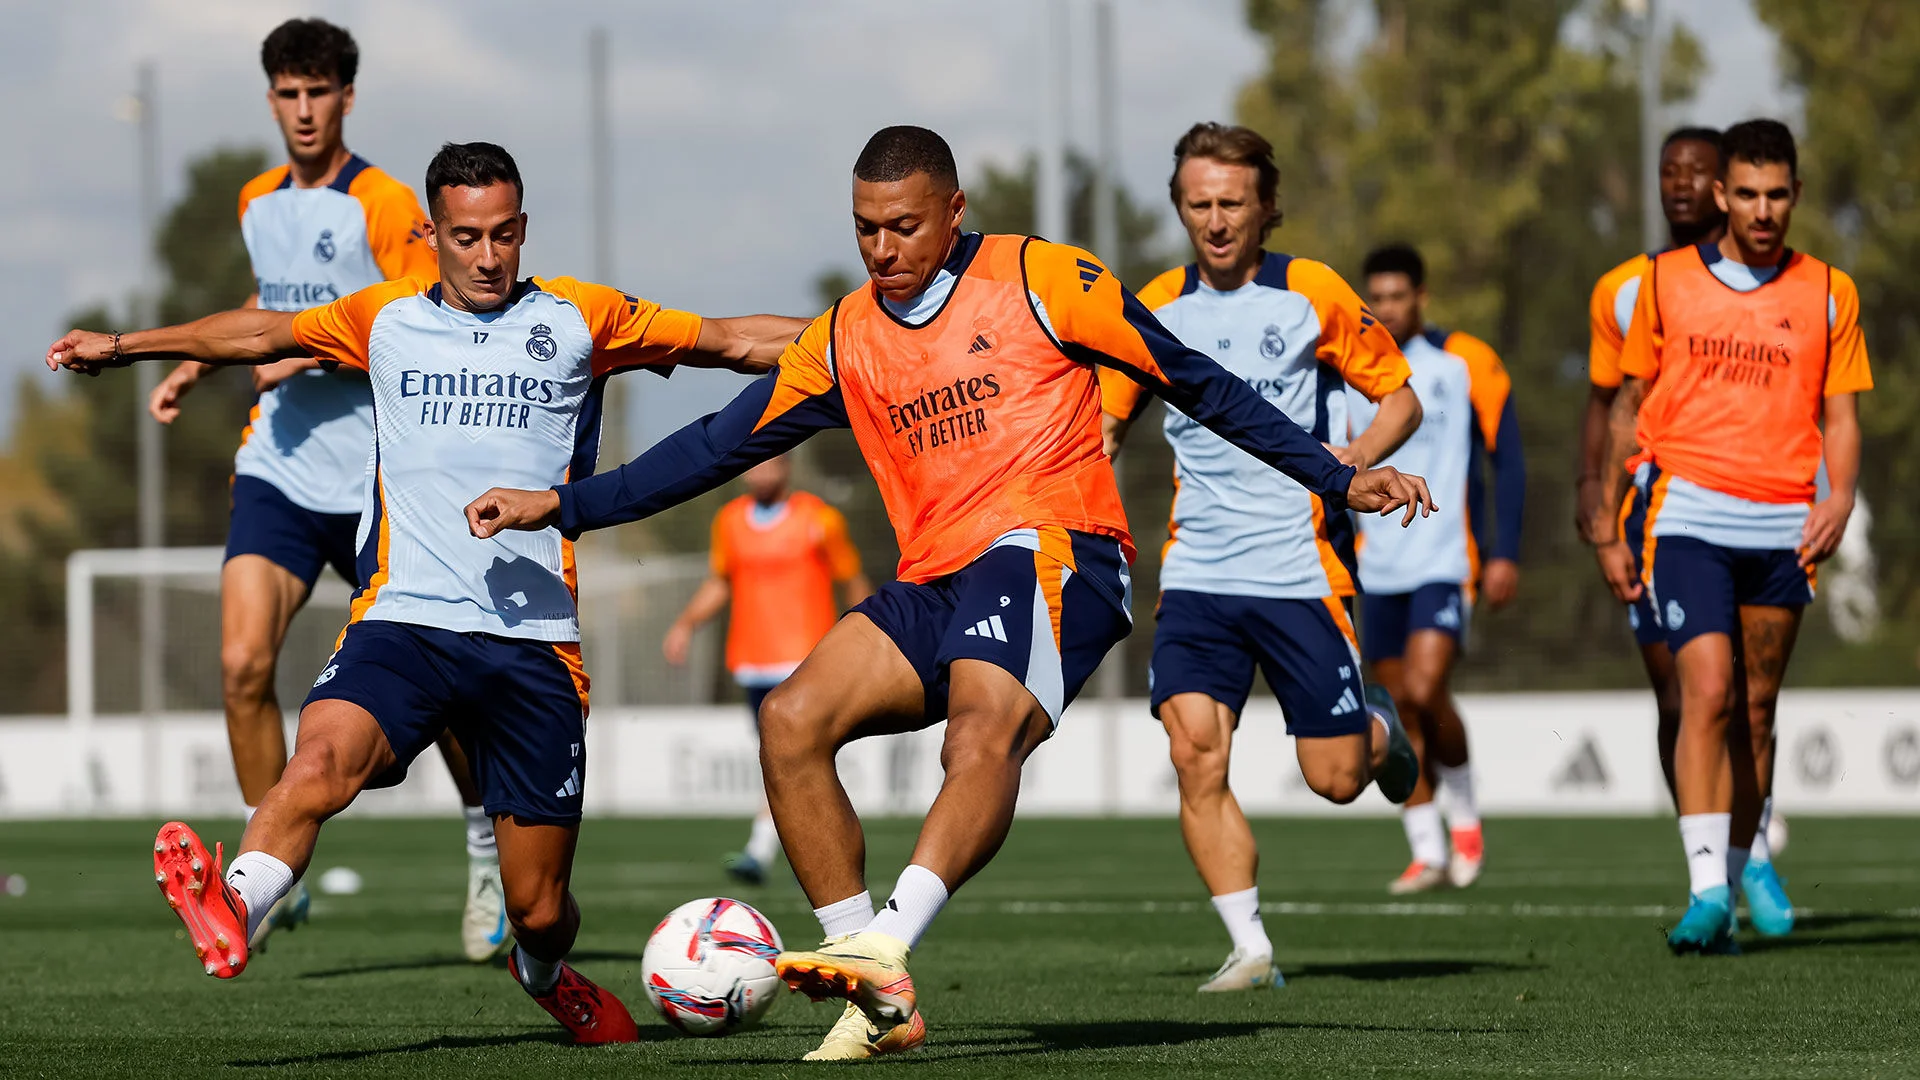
(1347, 703)
(1089, 273)
(991, 626)
(571, 788)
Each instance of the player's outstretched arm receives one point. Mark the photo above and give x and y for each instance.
(750, 344)
(243, 336)
(1398, 418)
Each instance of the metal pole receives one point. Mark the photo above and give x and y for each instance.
(1050, 184)
(1653, 223)
(150, 467)
(1106, 244)
(600, 153)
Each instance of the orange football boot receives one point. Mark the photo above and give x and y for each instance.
(592, 1015)
(214, 914)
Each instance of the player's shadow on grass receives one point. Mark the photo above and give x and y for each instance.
(1140, 1034)
(428, 963)
(1812, 932)
(555, 1037)
(1392, 970)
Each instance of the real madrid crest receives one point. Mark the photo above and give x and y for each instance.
(540, 343)
(323, 247)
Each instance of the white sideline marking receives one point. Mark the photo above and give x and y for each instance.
(1409, 908)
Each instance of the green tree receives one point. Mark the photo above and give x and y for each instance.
(1505, 148)
(1855, 61)
(79, 447)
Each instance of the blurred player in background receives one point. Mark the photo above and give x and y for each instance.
(478, 378)
(1418, 583)
(777, 554)
(966, 369)
(1256, 571)
(317, 228)
(1741, 371)
(1689, 164)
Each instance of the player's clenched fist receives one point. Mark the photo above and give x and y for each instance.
(83, 351)
(508, 508)
(1386, 489)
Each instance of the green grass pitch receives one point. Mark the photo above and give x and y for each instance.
(1076, 952)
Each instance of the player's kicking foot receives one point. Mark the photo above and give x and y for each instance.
(288, 913)
(866, 968)
(856, 1038)
(1401, 772)
(745, 869)
(1767, 905)
(484, 933)
(1469, 851)
(1707, 927)
(215, 916)
(1244, 971)
(592, 1015)
(1419, 877)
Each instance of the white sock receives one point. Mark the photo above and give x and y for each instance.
(538, 976)
(1736, 865)
(1425, 833)
(845, 916)
(917, 897)
(1704, 836)
(763, 843)
(1456, 796)
(1762, 847)
(1241, 912)
(261, 880)
(480, 843)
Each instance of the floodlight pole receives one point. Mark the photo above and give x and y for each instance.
(150, 467)
(1050, 183)
(1653, 223)
(600, 224)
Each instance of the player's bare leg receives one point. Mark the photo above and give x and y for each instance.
(1767, 639)
(1218, 838)
(1431, 656)
(854, 684)
(258, 599)
(1658, 661)
(536, 865)
(1704, 776)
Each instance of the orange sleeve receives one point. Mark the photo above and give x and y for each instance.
(396, 226)
(337, 333)
(843, 559)
(1847, 370)
(1488, 384)
(1604, 338)
(1120, 396)
(627, 331)
(720, 555)
(1640, 354)
(803, 373)
(1352, 341)
(260, 185)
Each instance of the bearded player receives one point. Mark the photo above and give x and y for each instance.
(966, 369)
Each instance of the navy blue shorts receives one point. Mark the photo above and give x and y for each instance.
(1044, 616)
(1633, 529)
(1387, 620)
(1699, 588)
(1209, 644)
(518, 708)
(264, 522)
(756, 695)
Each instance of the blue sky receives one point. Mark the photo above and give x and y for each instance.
(734, 125)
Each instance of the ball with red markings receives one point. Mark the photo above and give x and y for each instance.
(708, 967)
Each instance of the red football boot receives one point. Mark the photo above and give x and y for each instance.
(591, 1014)
(215, 916)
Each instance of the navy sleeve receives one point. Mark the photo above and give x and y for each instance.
(1225, 405)
(698, 458)
(1509, 464)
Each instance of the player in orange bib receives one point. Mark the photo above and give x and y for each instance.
(1689, 164)
(1741, 370)
(966, 369)
(777, 554)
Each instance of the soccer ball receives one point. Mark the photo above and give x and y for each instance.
(708, 967)
(1776, 834)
